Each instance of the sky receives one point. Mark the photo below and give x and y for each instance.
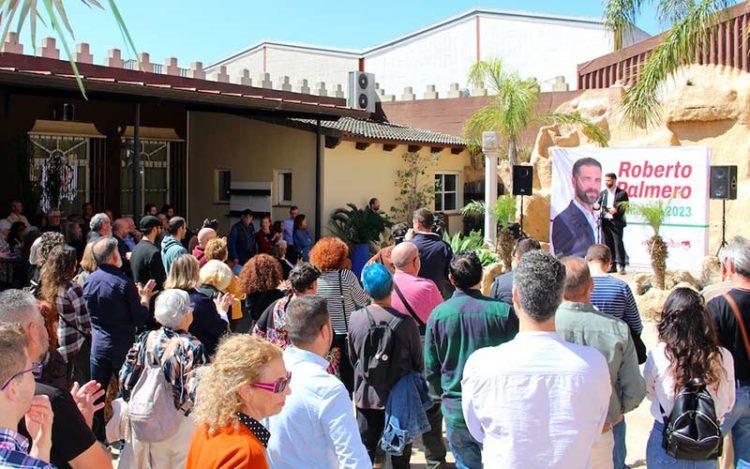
(194, 30)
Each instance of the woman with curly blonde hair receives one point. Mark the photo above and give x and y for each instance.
(340, 287)
(216, 249)
(246, 383)
(260, 277)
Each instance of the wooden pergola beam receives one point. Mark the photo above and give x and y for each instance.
(389, 146)
(456, 150)
(332, 142)
(362, 145)
(414, 148)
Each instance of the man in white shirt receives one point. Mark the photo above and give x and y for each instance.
(536, 401)
(317, 428)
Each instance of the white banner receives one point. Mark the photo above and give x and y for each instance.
(646, 174)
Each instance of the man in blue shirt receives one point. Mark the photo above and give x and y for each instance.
(241, 242)
(316, 428)
(117, 307)
(289, 233)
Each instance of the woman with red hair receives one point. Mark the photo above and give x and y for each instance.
(338, 284)
(261, 277)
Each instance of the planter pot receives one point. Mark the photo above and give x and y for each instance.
(360, 256)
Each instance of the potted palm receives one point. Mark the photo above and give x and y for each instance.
(505, 214)
(653, 214)
(358, 228)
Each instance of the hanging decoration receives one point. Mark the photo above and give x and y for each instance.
(59, 181)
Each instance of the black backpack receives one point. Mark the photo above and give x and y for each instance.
(692, 431)
(376, 352)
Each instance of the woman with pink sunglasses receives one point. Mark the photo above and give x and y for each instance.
(246, 383)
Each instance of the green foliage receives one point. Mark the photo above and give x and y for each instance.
(415, 184)
(653, 213)
(512, 109)
(473, 242)
(692, 23)
(505, 209)
(357, 226)
(52, 13)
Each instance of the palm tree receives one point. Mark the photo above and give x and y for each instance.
(52, 13)
(692, 23)
(513, 109)
(654, 213)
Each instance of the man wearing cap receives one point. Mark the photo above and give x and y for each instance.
(145, 261)
(242, 240)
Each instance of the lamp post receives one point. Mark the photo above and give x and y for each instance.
(491, 152)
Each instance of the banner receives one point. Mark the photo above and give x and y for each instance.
(678, 175)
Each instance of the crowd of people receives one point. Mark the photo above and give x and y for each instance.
(264, 349)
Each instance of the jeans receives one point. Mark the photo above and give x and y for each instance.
(371, 423)
(79, 368)
(738, 422)
(466, 450)
(102, 369)
(657, 457)
(621, 451)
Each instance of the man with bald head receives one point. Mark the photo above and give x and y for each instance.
(117, 307)
(204, 236)
(578, 321)
(416, 297)
(120, 231)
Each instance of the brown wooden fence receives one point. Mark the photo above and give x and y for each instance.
(727, 45)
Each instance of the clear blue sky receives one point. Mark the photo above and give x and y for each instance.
(207, 31)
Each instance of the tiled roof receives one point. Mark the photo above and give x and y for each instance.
(387, 132)
(42, 72)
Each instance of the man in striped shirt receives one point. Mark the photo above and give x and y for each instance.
(613, 296)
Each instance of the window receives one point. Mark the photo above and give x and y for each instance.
(222, 185)
(154, 155)
(69, 155)
(284, 187)
(446, 192)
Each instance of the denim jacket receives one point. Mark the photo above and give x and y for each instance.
(405, 417)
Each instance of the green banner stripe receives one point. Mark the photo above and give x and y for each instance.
(670, 224)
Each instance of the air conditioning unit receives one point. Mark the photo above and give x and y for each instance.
(362, 91)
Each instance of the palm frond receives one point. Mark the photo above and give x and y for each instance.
(689, 35)
(474, 208)
(57, 19)
(357, 226)
(489, 72)
(505, 209)
(589, 129)
(653, 213)
(619, 18)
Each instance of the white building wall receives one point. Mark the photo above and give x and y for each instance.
(534, 46)
(315, 66)
(438, 57)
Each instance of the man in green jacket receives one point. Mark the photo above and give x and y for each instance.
(579, 322)
(456, 328)
(171, 246)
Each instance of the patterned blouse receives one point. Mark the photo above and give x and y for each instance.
(74, 325)
(179, 368)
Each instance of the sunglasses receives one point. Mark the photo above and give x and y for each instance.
(36, 370)
(277, 387)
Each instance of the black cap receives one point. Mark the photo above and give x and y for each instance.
(148, 222)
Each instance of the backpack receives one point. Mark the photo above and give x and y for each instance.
(376, 351)
(692, 431)
(151, 410)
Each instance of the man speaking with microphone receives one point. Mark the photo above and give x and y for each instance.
(613, 202)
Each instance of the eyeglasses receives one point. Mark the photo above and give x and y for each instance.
(277, 387)
(36, 370)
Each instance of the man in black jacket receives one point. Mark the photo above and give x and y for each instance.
(434, 254)
(145, 261)
(613, 202)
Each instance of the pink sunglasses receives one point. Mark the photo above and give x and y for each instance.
(277, 387)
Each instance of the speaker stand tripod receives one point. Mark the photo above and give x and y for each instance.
(521, 214)
(723, 226)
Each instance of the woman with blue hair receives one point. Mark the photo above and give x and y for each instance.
(370, 397)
